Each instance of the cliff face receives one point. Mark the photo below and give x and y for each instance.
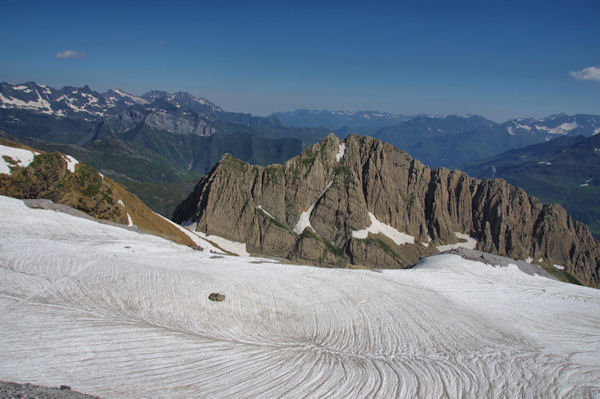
(364, 202)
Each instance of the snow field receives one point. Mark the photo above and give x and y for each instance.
(116, 313)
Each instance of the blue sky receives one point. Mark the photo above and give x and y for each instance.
(500, 59)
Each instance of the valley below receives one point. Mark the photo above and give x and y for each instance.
(117, 313)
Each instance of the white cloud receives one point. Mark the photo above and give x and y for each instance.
(589, 73)
(70, 54)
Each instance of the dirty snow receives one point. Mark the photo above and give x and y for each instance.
(238, 248)
(120, 314)
(200, 242)
(378, 227)
(470, 243)
(304, 220)
(21, 156)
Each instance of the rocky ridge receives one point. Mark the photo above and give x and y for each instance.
(363, 202)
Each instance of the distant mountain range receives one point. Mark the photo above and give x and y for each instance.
(159, 144)
(447, 141)
(144, 141)
(340, 120)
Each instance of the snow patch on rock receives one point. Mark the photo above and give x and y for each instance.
(21, 156)
(378, 227)
(470, 243)
(71, 162)
(564, 128)
(304, 220)
(341, 151)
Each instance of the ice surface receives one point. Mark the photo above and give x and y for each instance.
(470, 243)
(378, 227)
(120, 314)
(21, 156)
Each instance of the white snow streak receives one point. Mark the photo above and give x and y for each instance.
(378, 227)
(80, 300)
(304, 220)
(265, 212)
(470, 243)
(341, 151)
(129, 221)
(120, 202)
(21, 156)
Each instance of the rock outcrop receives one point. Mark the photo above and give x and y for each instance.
(364, 202)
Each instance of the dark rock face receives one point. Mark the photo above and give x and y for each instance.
(347, 182)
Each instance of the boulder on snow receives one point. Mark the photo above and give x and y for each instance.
(217, 297)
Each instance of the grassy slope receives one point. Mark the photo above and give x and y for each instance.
(47, 177)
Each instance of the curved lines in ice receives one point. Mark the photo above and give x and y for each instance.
(140, 304)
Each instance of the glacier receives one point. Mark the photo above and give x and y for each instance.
(122, 314)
